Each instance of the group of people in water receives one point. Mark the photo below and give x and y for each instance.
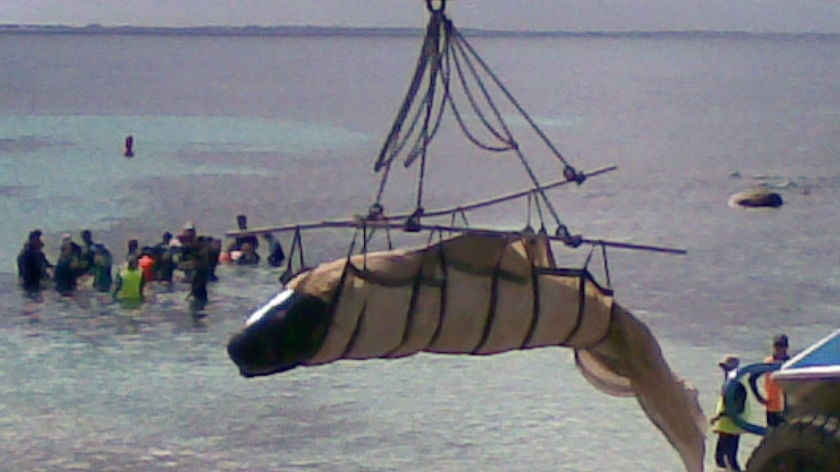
(724, 422)
(196, 256)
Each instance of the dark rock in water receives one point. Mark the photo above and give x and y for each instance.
(756, 198)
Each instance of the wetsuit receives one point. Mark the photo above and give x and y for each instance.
(101, 268)
(65, 275)
(32, 266)
(201, 252)
(276, 256)
(164, 265)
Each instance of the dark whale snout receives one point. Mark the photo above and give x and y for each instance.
(281, 335)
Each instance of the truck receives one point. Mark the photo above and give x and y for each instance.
(809, 439)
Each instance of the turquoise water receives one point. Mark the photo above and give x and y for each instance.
(60, 171)
(287, 129)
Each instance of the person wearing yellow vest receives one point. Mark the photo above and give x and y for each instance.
(129, 285)
(775, 401)
(729, 433)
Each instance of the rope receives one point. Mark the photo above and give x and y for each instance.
(606, 265)
(508, 138)
(604, 258)
(539, 212)
(444, 52)
(365, 241)
(297, 247)
(510, 96)
(414, 87)
(424, 137)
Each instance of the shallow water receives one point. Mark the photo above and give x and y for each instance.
(286, 129)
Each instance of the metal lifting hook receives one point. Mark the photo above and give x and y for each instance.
(430, 5)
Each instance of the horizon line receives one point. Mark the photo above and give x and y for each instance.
(313, 30)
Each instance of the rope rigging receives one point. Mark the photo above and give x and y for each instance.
(446, 55)
(451, 75)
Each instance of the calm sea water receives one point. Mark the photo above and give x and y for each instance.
(286, 129)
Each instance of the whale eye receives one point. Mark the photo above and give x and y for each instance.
(278, 300)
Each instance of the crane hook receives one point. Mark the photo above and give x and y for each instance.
(430, 5)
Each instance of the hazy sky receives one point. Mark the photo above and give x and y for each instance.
(575, 15)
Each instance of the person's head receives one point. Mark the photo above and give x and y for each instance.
(133, 244)
(87, 237)
(780, 343)
(167, 236)
(34, 239)
(247, 248)
(188, 231)
(729, 363)
(66, 239)
(242, 222)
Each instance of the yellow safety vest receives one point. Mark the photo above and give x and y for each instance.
(131, 281)
(725, 424)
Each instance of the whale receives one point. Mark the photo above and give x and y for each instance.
(474, 295)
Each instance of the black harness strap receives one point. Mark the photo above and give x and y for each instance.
(580, 311)
(340, 289)
(412, 307)
(360, 322)
(494, 297)
(443, 289)
(535, 312)
(582, 277)
(297, 248)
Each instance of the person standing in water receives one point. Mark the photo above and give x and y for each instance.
(129, 284)
(236, 245)
(200, 253)
(69, 267)
(101, 268)
(33, 266)
(132, 247)
(164, 264)
(276, 256)
(129, 146)
(87, 248)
